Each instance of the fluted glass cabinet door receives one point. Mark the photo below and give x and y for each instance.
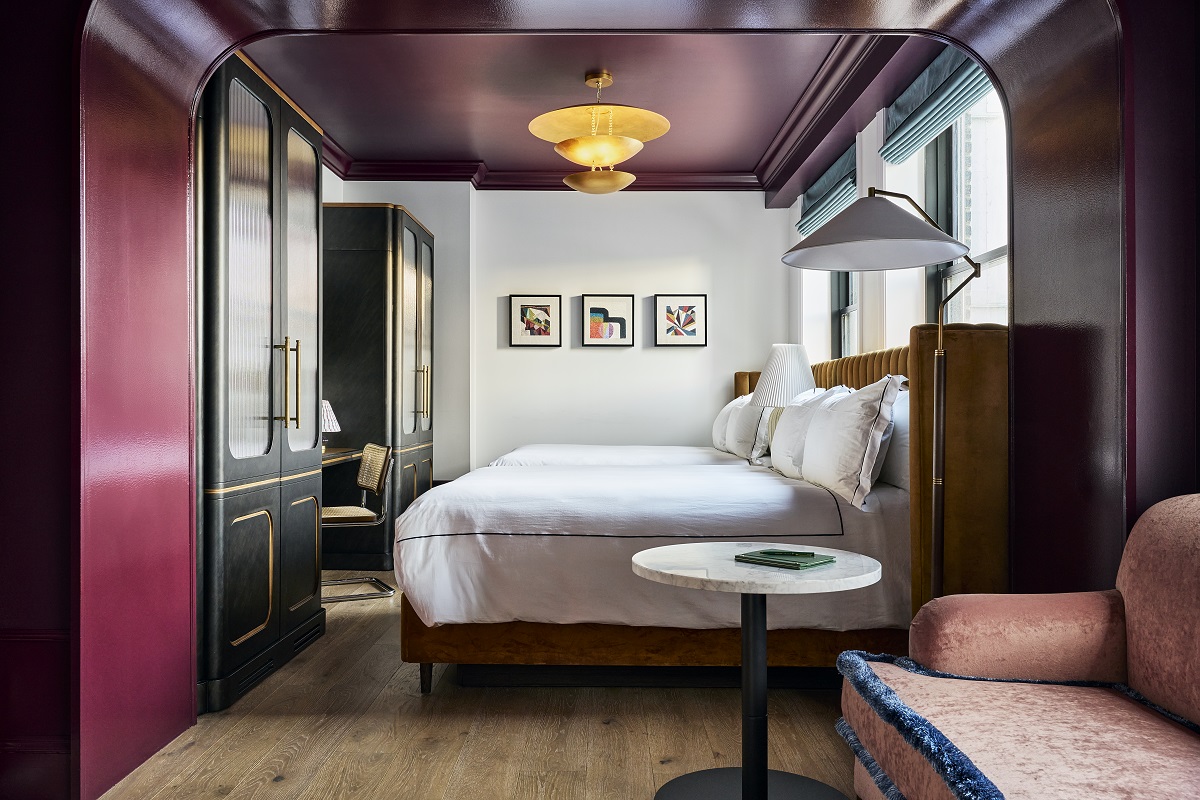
(249, 332)
(426, 418)
(408, 368)
(303, 281)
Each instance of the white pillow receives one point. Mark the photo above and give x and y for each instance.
(845, 439)
(720, 428)
(749, 435)
(895, 464)
(787, 442)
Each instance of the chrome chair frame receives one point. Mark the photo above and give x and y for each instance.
(379, 488)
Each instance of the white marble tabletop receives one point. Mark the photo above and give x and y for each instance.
(710, 565)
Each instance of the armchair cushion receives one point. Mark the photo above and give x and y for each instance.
(922, 733)
(1056, 637)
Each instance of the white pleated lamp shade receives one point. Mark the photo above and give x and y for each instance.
(874, 233)
(786, 375)
(329, 423)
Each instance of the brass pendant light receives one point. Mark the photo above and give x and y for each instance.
(599, 135)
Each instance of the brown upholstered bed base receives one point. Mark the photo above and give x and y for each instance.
(623, 645)
(976, 544)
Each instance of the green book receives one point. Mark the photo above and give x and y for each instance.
(789, 559)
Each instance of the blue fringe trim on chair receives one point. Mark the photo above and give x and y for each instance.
(960, 773)
(890, 792)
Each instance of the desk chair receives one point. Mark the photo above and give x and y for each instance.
(372, 477)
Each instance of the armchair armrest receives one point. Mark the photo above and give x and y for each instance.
(1056, 637)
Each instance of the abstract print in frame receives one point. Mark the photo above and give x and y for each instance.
(536, 320)
(608, 320)
(681, 320)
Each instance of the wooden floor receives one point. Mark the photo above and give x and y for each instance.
(345, 719)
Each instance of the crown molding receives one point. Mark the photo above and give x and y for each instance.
(334, 156)
(473, 171)
(849, 68)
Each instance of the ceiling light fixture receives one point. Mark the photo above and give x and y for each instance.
(599, 135)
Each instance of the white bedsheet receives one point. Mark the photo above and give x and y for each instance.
(554, 544)
(583, 455)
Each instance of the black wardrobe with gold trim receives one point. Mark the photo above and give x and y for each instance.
(259, 394)
(378, 272)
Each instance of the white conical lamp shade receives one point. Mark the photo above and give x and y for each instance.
(786, 375)
(329, 423)
(874, 233)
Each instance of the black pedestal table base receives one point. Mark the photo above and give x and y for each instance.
(726, 784)
(751, 781)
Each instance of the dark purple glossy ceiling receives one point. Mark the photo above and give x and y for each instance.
(744, 108)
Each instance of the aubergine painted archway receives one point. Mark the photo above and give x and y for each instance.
(1057, 61)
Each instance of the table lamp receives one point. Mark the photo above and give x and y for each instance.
(786, 375)
(876, 234)
(329, 423)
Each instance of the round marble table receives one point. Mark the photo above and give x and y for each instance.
(710, 565)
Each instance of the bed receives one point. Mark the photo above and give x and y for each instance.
(511, 615)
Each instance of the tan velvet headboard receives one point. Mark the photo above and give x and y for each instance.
(977, 442)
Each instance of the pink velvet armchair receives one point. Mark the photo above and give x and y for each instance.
(1091, 694)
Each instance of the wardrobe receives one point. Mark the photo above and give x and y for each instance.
(378, 348)
(259, 354)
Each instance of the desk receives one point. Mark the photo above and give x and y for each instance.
(336, 455)
(710, 566)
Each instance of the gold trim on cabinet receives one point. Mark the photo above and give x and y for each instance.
(287, 363)
(413, 467)
(429, 461)
(270, 571)
(267, 482)
(316, 549)
(412, 447)
(258, 71)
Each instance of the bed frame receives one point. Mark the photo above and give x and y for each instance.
(976, 525)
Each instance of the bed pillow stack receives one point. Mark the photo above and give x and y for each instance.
(791, 432)
(720, 431)
(838, 438)
(896, 468)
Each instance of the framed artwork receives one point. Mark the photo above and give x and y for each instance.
(681, 320)
(536, 320)
(608, 320)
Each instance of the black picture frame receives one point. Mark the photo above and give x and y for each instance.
(536, 320)
(613, 326)
(670, 331)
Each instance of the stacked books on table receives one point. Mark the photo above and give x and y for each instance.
(790, 559)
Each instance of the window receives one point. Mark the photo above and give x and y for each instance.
(845, 288)
(980, 212)
(904, 289)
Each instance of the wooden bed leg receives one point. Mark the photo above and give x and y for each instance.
(426, 678)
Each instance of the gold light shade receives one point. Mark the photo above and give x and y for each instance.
(601, 150)
(575, 121)
(599, 181)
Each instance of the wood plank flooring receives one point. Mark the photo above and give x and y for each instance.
(346, 719)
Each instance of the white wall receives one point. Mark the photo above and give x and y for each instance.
(724, 244)
(447, 209)
(331, 186)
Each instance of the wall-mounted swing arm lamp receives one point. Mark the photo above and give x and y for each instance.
(876, 234)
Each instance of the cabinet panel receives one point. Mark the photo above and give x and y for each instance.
(241, 548)
(426, 316)
(408, 365)
(299, 550)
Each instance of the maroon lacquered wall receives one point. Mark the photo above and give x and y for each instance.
(99, 349)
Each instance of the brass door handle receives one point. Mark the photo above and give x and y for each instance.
(299, 403)
(421, 395)
(286, 348)
(427, 398)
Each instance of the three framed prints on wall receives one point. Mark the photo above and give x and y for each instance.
(607, 320)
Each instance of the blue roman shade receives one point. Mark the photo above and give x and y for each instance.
(950, 85)
(829, 194)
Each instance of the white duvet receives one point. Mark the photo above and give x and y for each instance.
(554, 544)
(582, 455)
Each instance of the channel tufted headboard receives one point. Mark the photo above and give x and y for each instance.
(977, 445)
